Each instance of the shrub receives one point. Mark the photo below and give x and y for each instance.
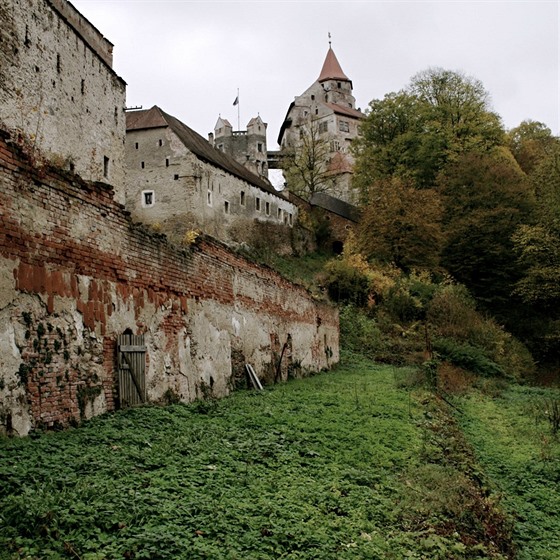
(408, 299)
(452, 315)
(359, 333)
(346, 283)
(468, 357)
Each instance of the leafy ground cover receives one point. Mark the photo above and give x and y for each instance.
(348, 464)
(515, 435)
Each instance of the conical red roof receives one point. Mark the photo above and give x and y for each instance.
(331, 69)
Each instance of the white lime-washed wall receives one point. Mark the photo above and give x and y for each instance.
(190, 194)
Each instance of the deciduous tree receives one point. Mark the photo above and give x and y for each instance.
(306, 167)
(401, 224)
(530, 143)
(486, 197)
(412, 134)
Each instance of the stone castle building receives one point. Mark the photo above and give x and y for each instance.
(179, 181)
(98, 312)
(59, 90)
(326, 112)
(247, 147)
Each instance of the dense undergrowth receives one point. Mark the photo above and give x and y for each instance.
(439, 453)
(350, 464)
(515, 434)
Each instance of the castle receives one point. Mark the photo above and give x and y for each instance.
(325, 113)
(178, 182)
(99, 310)
(58, 87)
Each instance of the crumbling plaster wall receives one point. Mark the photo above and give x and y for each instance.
(57, 87)
(75, 272)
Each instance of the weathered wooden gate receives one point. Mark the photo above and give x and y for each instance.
(131, 357)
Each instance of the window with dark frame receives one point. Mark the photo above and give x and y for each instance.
(148, 198)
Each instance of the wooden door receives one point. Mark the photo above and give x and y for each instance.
(131, 357)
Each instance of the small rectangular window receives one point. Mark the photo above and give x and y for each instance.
(258, 204)
(105, 167)
(267, 208)
(226, 207)
(166, 162)
(323, 127)
(136, 145)
(209, 198)
(259, 147)
(290, 218)
(343, 126)
(242, 198)
(160, 142)
(148, 199)
(142, 164)
(280, 214)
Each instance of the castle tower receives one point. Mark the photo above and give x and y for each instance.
(328, 106)
(248, 147)
(336, 85)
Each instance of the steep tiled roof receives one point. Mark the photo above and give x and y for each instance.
(198, 145)
(347, 111)
(331, 69)
(150, 118)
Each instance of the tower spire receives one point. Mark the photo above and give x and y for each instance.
(330, 45)
(331, 68)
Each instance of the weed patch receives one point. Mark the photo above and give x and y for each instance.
(516, 446)
(334, 466)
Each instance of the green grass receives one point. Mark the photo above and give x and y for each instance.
(513, 438)
(302, 270)
(341, 465)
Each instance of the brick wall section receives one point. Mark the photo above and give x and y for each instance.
(75, 272)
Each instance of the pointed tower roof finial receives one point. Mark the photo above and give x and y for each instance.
(331, 68)
(329, 39)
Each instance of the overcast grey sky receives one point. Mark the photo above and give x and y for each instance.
(190, 57)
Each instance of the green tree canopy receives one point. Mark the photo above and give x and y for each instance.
(412, 134)
(538, 243)
(486, 197)
(401, 225)
(530, 143)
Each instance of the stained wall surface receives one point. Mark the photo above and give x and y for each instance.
(58, 88)
(76, 272)
(188, 193)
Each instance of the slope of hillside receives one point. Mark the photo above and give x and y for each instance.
(357, 463)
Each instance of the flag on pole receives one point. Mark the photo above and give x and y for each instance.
(236, 102)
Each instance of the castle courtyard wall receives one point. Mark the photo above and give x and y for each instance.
(76, 272)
